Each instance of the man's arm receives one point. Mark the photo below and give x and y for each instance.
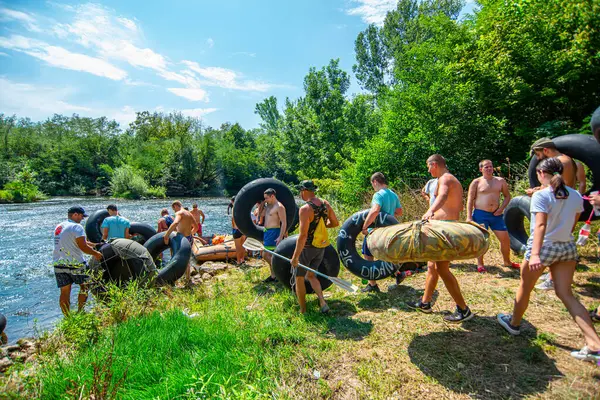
(332, 219)
(104, 233)
(127, 234)
(440, 200)
(471, 199)
(582, 184)
(283, 219)
(83, 246)
(507, 197)
(301, 242)
(203, 217)
(371, 216)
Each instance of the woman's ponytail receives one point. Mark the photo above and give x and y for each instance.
(557, 183)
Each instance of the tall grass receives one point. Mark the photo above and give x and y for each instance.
(225, 350)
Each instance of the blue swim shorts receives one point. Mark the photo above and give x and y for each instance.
(489, 220)
(270, 238)
(365, 248)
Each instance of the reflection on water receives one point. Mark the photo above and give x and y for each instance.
(28, 292)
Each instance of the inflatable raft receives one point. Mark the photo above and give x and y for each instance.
(219, 252)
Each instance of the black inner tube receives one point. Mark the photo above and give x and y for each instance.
(117, 269)
(2, 323)
(253, 192)
(514, 218)
(330, 265)
(346, 244)
(584, 148)
(177, 265)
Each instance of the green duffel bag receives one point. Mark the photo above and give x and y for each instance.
(428, 241)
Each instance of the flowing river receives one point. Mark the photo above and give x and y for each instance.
(28, 291)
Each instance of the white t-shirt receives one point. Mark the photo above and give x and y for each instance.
(66, 251)
(561, 213)
(430, 188)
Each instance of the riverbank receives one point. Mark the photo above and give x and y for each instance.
(234, 337)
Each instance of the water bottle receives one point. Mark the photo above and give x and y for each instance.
(584, 233)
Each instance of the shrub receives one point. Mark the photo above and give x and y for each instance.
(157, 192)
(128, 183)
(21, 190)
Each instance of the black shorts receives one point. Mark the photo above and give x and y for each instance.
(312, 257)
(236, 233)
(64, 278)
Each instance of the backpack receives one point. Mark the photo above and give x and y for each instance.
(320, 237)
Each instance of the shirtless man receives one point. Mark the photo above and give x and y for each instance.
(184, 223)
(275, 227)
(581, 180)
(545, 148)
(484, 208)
(446, 207)
(197, 214)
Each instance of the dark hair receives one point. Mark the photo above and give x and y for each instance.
(379, 177)
(112, 207)
(270, 192)
(553, 166)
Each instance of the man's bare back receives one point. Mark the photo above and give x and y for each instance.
(450, 193)
(186, 222)
(569, 171)
(272, 219)
(487, 193)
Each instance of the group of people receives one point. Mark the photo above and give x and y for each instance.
(555, 209)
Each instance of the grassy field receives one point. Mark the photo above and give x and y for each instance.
(235, 337)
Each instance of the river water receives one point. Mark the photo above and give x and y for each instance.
(28, 291)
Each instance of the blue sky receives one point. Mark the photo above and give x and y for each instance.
(209, 59)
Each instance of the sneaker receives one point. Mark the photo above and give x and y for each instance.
(544, 277)
(325, 309)
(514, 265)
(270, 279)
(370, 288)
(481, 269)
(546, 285)
(419, 305)
(399, 278)
(586, 354)
(504, 321)
(459, 315)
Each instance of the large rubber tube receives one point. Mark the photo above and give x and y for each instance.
(2, 323)
(176, 267)
(141, 231)
(514, 218)
(253, 192)
(346, 244)
(584, 148)
(330, 265)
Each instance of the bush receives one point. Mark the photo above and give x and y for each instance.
(128, 183)
(159, 192)
(21, 190)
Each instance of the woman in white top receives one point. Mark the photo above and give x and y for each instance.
(554, 212)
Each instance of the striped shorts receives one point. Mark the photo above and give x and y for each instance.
(553, 252)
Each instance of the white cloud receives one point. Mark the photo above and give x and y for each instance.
(197, 112)
(35, 101)
(227, 78)
(372, 11)
(4, 54)
(193, 94)
(210, 42)
(6, 14)
(62, 58)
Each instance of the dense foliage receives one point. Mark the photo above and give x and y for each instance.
(484, 86)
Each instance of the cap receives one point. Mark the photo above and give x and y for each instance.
(543, 143)
(78, 210)
(307, 185)
(112, 207)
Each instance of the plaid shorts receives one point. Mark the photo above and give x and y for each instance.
(554, 252)
(67, 276)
